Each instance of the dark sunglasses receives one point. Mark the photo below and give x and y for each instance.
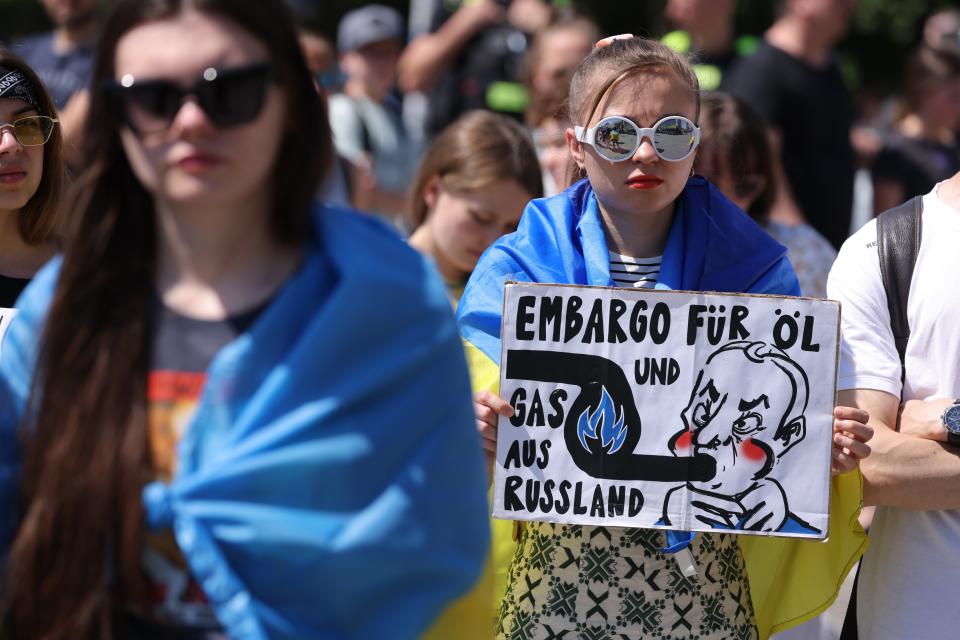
(229, 97)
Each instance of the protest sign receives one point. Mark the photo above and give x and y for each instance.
(667, 409)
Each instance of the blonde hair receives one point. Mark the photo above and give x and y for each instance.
(475, 151)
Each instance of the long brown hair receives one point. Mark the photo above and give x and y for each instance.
(77, 552)
(474, 152)
(610, 65)
(39, 221)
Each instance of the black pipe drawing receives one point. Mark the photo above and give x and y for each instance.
(602, 427)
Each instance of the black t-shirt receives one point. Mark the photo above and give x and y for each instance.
(916, 165)
(813, 110)
(183, 349)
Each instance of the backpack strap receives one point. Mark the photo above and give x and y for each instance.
(899, 232)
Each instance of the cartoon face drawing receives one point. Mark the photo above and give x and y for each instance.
(745, 411)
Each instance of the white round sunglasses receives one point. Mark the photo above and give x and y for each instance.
(617, 138)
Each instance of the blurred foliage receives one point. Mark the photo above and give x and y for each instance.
(882, 33)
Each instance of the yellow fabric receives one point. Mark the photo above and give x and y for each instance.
(485, 376)
(469, 617)
(791, 580)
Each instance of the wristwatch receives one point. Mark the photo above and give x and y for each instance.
(951, 422)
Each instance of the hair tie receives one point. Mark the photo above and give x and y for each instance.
(603, 42)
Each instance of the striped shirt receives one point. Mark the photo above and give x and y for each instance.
(639, 273)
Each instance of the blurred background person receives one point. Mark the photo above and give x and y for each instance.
(366, 117)
(704, 30)
(735, 156)
(553, 56)
(472, 186)
(63, 59)
(31, 176)
(321, 60)
(920, 147)
(467, 54)
(550, 142)
(941, 31)
(794, 81)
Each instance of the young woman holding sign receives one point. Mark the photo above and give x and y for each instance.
(639, 219)
(242, 414)
(31, 176)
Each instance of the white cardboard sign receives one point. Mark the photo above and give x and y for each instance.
(667, 409)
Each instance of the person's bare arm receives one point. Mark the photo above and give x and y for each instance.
(904, 470)
(924, 418)
(429, 55)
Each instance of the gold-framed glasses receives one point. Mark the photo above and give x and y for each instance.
(31, 131)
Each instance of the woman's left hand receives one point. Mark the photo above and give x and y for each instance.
(850, 436)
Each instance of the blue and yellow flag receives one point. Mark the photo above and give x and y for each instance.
(330, 484)
(711, 246)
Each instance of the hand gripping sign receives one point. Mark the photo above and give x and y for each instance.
(667, 409)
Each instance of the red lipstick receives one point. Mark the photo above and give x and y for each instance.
(644, 182)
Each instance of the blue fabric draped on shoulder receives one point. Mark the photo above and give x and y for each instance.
(330, 484)
(712, 246)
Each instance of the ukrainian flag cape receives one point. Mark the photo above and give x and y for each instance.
(711, 246)
(330, 484)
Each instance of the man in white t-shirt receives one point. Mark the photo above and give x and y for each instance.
(908, 580)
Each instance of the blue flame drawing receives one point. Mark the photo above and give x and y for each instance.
(612, 430)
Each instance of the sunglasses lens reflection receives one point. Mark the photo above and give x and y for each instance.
(616, 139)
(674, 138)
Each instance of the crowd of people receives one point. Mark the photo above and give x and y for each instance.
(251, 386)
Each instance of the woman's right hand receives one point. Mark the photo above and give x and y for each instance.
(488, 407)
